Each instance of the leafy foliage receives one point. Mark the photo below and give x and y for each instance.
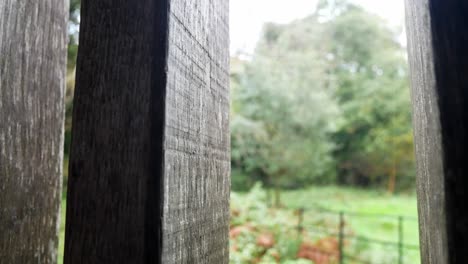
(260, 234)
(73, 30)
(324, 99)
(374, 141)
(282, 115)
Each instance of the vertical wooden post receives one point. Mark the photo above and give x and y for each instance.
(300, 222)
(149, 166)
(341, 237)
(400, 240)
(438, 56)
(33, 38)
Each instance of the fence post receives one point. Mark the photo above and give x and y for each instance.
(400, 240)
(341, 237)
(438, 51)
(150, 162)
(300, 215)
(33, 52)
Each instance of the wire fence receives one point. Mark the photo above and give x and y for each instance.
(339, 232)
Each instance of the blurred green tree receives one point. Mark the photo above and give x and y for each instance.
(324, 99)
(283, 112)
(374, 140)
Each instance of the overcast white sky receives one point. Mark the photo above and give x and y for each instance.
(248, 16)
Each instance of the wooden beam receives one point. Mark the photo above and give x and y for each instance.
(149, 167)
(33, 41)
(438, 55)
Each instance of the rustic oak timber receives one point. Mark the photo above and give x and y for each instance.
(438, 55)
(150, 155)
(33, 41)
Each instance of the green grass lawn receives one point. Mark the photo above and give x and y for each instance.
(378, 209)
(367, 213)
(335, 199)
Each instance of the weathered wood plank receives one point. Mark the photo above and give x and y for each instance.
(438, 46)
(33, 38)
(149, 168)
(113, 200)
(197, 156)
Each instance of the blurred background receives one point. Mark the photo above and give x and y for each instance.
(322, 145)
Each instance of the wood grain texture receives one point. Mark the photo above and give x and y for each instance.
(115, 168)
(33, 38)
(438, 45)
(197, 157)
(149, 166)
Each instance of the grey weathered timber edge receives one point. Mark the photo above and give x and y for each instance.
(196, 147)
(426, 123)
(438, 45)
(33, 38)
(149, 166)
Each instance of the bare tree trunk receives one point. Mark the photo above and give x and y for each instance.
(268, 195)
(149, 165)
(392, 178)
(33, 38)
(277, 196)
(277, 188)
